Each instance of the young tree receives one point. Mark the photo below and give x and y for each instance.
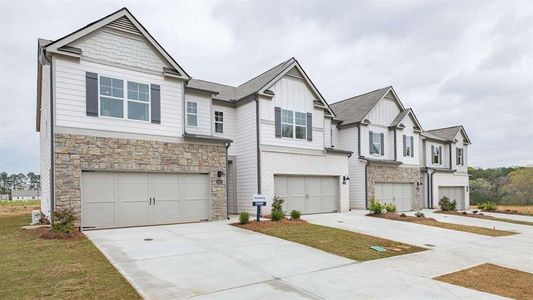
(519, 189)
(4, 183)
(34, 181)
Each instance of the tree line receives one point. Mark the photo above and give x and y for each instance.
(20, 181)
(513, 185)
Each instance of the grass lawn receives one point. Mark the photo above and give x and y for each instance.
(478, 216)
(493, 279)
(8, 208)
(435, 223)
(340, 242)
(525, 210)
(33, 268)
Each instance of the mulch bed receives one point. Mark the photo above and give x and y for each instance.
(397, 217)
(493, 279)
(485, 217)
(252, 225)
(46, 233)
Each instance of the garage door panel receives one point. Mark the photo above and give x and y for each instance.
(313, 205)
(296, 186)
(329, 203)
(454, 193)
(97, 214)
(195, 210)
(313, 186)
(307, 194)
(99, 208)
(399, 194)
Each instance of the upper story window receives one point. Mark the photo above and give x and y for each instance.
(293, 124)
(459, 156)
(219, 122)
(408, 145)
(376, 143)
(436, 155)
(192, 114)
(112, 103)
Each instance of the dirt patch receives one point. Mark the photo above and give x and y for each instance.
(13, 210)
(46, 233)
(253, 225)
(493, 279)
(435, 223)
(485, 217)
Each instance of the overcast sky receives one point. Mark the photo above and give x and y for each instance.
(453, 62)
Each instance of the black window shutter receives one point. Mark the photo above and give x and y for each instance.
(382, 143)
(91, 93)
(440, 155)
(309, 126)
(412, 146)
(277, 122)
(155, 98)
(370, 145)
(404, 145)
(432, 152)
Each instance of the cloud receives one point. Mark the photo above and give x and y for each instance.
(453, 62)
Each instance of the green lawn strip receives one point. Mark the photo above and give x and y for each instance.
(435, 223)
(486, 217)
(336, 241)
(20, 203)
(33, 268)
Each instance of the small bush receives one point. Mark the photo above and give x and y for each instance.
(244, 217)
(375, 207)
(277, 204)
(390, 207)
(277, 215)
(419, 214)
(295, 214)
(447, 205)
(403, 215)
(489, 206)
(63, 221)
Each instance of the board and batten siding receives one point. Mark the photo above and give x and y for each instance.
(45, 141)
(327, 133)
(70, 98)
(291, 93)
(229, 126)
(460, 144)
(384, 112)
(356, 168)
(246, 151)
(203, 120)
(408, 131)
(444, 155)
(388, 137)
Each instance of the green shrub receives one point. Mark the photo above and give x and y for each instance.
(244, 217)
(390, 207)
(295, 214)
(419, 214)
(277, 215)
(447, 205)
(63, 221)
(375, 207)
(403, 215)
(489, 206)
(277, 204)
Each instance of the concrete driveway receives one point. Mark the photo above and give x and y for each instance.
(218, 261)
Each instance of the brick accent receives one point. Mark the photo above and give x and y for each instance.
(394, 174)
(74, 153)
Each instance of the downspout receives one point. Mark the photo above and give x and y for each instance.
(52, 158)
(258, 150)
(450, 157)
(395, 147)
(431, 185)
(366, 179)
(358, 140)
(227, 185)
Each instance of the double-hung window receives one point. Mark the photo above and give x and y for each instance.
(459, 157)
(192, 114)
(136, 106)
(219, 122)
(376, 143)
(293, 124)
(287, 123)
(111, 97)
(435, 155)
(408, 145)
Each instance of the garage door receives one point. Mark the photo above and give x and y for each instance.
(308, 194)
(135, 199)
(454, 193)
(400, 194)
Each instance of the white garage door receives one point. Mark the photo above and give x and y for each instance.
(400, 194)
(119, 199)
(456, 193)
(308, 194)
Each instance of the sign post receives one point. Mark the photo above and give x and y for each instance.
(259, 201)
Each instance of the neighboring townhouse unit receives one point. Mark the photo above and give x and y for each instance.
(445, 166)
(25, 195)
(385, 136)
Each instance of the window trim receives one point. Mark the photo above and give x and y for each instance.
(378, 135)
(219, 122)
(125, 100)
(294, 125)
(409, 145)
(436, 153)
(188, 113)
(460, 156)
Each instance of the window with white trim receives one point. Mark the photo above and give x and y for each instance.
(300, 125)
(435, 155)
(293, 124)
(376, 143)
(459, 157)
(287, 123)
(136, 106)
(219, 122)
(192, 114)
(408, 145)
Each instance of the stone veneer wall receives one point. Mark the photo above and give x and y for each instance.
(386, 173)
(74, 153)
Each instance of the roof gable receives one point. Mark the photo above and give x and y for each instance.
(401, 116)
(355, 109)
(448, 134)
(121, 20)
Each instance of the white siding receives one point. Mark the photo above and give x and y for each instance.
(335, 141)
(70, 110)
(384, 112)
(278, 163)
(246, 142)
(204, 113)
(460, 144)
(327, 132)
(444, 155)
(450, 180)
(45, 142)
(293, 94)
(408, 131)
(120, 48)
(356, 168)
(230, 126)
(388, 139)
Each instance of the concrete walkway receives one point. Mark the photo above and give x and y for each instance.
(218, 261)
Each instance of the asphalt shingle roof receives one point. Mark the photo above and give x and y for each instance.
(448, 133)
(353, 110)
